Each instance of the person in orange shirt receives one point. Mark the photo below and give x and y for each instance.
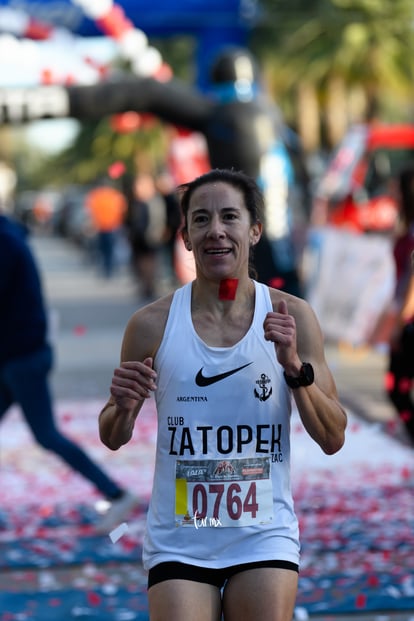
(107, 207)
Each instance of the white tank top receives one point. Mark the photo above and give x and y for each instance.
(221, 492)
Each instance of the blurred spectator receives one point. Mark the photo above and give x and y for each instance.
(107, 208)
(26, 360)
(73, 219)
(43, 211)
(166, 186)
(148, 231)
(399, 379)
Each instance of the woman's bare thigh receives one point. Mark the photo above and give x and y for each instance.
(268, 594)
(184, 600)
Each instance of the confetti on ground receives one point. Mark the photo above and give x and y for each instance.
(356, 512)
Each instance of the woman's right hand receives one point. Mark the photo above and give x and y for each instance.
(133, 382)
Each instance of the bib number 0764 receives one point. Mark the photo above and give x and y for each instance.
(211, 499)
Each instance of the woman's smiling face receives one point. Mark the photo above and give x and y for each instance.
(220, 231)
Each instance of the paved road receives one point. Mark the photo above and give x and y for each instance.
(87, 317)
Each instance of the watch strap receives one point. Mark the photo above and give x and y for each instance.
(305, 378)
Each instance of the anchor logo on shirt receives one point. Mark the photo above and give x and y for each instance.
(265, 391)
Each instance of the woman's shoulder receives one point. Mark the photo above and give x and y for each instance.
(295, 304)
(146, 326)
(153, 314)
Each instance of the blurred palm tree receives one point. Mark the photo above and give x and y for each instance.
(332, 62)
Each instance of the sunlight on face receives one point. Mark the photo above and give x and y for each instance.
(219, 230)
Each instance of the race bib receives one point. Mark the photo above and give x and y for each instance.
(217, 493)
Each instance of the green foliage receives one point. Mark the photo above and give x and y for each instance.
(368, 43)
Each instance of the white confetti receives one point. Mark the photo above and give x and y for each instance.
(301, 614)
(118, 532)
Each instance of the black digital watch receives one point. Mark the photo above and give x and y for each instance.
(306, 377)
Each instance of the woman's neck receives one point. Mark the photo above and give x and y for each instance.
(226, 296)
(222, 323)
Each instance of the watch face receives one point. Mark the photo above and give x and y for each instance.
(305, 378)
(307, 374)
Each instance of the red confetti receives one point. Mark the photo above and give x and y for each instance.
(46, 510)
(228, 288)
(93, 599)
(361, 601)
(128, 544)
(79, 330)
(67, 417)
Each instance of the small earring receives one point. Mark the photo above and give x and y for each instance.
(188, 246)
